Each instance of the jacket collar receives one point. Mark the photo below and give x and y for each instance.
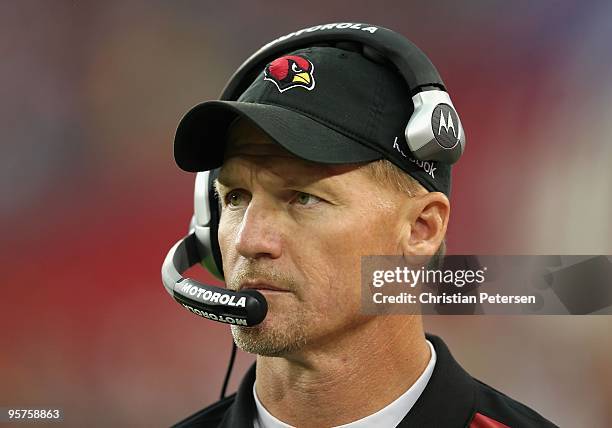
(449, 396)
(242, 412)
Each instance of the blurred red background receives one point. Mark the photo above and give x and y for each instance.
(92, 200)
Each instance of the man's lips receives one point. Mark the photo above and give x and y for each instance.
(260, 286)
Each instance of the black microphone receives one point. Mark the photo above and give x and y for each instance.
(245, 308)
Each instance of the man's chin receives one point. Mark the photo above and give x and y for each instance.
(268, 339)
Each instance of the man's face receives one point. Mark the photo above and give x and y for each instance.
(300, 227)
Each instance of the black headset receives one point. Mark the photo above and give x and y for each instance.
(248, 308)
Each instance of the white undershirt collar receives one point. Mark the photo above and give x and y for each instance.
(388, 416)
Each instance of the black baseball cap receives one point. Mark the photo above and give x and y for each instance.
(322, 104)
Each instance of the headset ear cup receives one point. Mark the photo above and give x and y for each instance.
(215, 216)
(206, 223)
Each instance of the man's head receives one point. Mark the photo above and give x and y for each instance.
(302, 227)
(315, 173)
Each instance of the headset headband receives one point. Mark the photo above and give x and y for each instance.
(411, 62)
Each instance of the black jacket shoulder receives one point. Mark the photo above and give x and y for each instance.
(496, 405)
(210, 416)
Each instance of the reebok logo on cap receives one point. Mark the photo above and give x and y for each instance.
(290, 71)
(427, 166)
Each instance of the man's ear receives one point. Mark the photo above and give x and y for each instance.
(426, 221)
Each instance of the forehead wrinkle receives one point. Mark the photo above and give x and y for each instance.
(265, 172)
(273, 155)
(289, 174)
(280, 170)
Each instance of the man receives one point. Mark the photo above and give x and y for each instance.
(315, 176)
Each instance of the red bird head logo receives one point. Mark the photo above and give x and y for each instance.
(289, 72)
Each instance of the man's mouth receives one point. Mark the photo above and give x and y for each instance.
(261, 286)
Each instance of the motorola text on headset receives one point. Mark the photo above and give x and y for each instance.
(248, 308)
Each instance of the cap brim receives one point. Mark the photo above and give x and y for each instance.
(200, 138)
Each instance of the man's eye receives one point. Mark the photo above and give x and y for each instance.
(235, 199)
(303, 198)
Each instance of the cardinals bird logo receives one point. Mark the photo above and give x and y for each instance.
(289, 72)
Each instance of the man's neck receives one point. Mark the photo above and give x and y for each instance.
(345, 381)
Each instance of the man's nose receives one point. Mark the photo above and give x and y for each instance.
(259, 233)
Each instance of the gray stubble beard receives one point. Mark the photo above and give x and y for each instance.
(284, 335)
(272, 341)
